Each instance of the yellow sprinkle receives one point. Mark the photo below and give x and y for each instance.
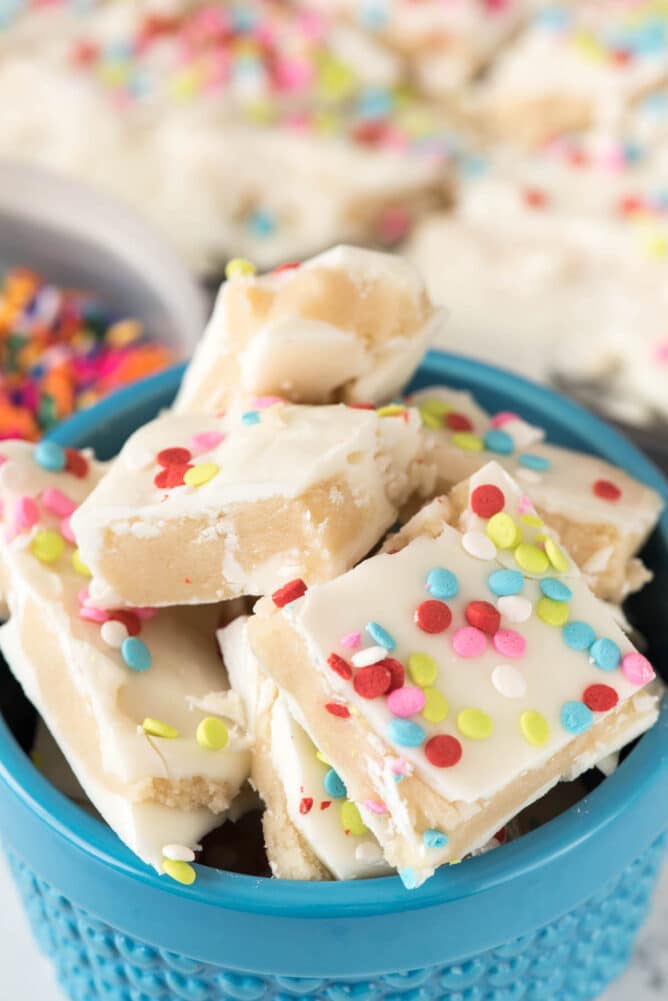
(124, 332)
(434, 408)
(47, 545)
(182, 872)
(239, 266)
(436, 706)
(199, 475)
(534, 728)
(532, 519)
(429, 421)
(422, 668)
(336, 80)
(469, 442)
(212, 734)
(157, 728)
(657, 246)
(454, 861)
(554, 613)
(79, 565)
(351, 820)
(531, 558)
(474, 723)
(503, 531)
(321, 757)
(391, 410)
(556, 556)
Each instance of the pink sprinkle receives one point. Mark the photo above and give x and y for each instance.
(400, 767)
(469, 642)
(66, 531)
(263, 402)
(83, 596)
(661, 353)
(524, 505)
(58, 503)
(375, 806)
(509, 643)
(92, 614)
(3, 460)
(406, 701)
(637, 669)
(145, 613)
(503, 417)
(25, 514)
(351, 640)
(204, 441)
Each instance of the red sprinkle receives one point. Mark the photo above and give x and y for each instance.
(289, 592)
(458, 422)
(362, 406)
(487, 500)
(535, 198)
(443, 751)
(288, 266)
(600, 698)
(396, 669)
(76, 463)
(173, 457)
(325, 804)
(336, 709)
(501, 835)
(131, 621)
(606, 490)
(433, 616)
(630, 205)
(372, 681)
(483, 616)
(306, 805)
(341, 666)
(171, 476)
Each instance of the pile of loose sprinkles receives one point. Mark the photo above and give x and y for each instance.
(61, 350)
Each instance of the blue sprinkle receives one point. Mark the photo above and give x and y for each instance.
(633, 152)
(334, 785)
(605, 654)
(373, 15)
(380, 635)
(472, 166)
(405, 733)
(536, 462)
(409, 878)
(555, 589)
(656, 104)
(434, 839)
(374, 104)
(136, 654)
(261, 223)
(578, 635)
(554, 18)
(576, 717)
(442, 584)
(498, 441)
(50, 456)
(503, 582)
(250, 417)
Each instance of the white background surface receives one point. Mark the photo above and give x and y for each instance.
(26, 976)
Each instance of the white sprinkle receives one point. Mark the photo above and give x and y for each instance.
(514, 607)
(113, 633)
(608, 764)
(369, 655)
(368, 851)
(479, 545)
(178, 853)
(508, 681)
(528, 475)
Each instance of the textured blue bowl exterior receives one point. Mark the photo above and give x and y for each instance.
(551, 917)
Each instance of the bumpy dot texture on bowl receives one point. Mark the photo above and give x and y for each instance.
(572, 959)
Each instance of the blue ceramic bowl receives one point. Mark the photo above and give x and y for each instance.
(551, 916)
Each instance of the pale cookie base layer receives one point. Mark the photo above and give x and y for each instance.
(188, 794)
(354, 749)
(243, 551)
(529, 121)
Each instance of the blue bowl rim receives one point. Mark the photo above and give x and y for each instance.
(605, 806)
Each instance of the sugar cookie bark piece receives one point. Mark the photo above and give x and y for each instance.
(305, 801)
(444, 44)
(197, 509)
(477, 688)
(126, 693)
(601, 515)
(576, 65)
(350, 324)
